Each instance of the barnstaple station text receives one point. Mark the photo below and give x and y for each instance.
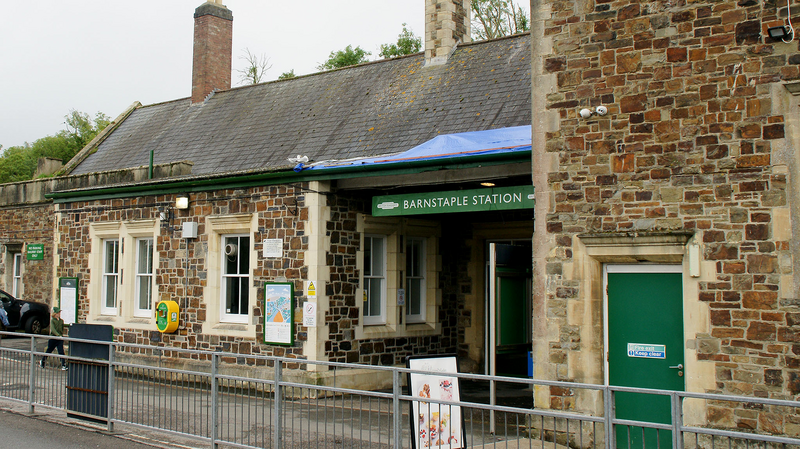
(466, 200)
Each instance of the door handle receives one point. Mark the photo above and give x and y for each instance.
(678, 366)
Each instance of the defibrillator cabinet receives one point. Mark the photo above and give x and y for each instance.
(167, 316)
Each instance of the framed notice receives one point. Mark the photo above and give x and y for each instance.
(432, 424)
(278, 313)
(68, 299)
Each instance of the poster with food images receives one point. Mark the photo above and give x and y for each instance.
(433, 424)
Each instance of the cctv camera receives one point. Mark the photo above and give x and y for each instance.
(586, 113)
(601, 110)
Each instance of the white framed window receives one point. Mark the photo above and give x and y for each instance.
(16, 279)
(144, 278)
(110, 276)
(374, 279)
(415, 280)
(235, 283)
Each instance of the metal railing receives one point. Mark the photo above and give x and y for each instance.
(214, 397)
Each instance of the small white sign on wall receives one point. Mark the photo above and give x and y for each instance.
(273, 247)
(310, 314)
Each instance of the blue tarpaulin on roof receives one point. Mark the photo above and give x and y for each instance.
(491, 141)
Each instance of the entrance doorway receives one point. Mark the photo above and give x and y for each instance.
(509, 308)
(644, 346)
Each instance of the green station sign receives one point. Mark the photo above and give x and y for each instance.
(477, 200)
(35, 251)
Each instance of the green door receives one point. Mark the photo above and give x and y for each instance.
(512, 340)
(645, 347)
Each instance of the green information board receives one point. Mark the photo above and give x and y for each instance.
(35, 251)
(477, 200)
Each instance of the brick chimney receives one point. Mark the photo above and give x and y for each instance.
(447, 23)
(213, 49)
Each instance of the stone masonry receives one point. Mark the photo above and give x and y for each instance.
(697, 140)
(21, 225)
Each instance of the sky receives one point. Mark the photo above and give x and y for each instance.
(104, 55)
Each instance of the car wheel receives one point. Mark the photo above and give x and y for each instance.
(34, 325)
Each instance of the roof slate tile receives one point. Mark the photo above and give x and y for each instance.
(368, 110)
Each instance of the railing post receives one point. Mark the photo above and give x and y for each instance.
(111, 387)
(396, 392)
(32, 377)
(214, 420)
(609, 411)
(276, 436)
(677, 420)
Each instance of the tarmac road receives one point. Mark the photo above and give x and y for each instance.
(25, 431)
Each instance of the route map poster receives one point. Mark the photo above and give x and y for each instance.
(278, 313)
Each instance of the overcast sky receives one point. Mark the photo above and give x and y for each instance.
(102, 55)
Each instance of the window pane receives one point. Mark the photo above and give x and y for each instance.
(111, 256)
(414, 296)
(231, 255)
(377, 257)
(232, 295)
(374, 297)
(244, 302)
(111, 291)
(367, 256)
(145, 293)
(17, 265)
(244, 259)
(145, 264)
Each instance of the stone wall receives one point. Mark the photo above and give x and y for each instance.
(696, 140)
(182, 271)
(20, 226)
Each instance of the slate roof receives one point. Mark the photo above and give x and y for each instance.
(372, 109)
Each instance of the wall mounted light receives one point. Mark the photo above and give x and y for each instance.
(780, 32)
(182, 201)
(487, 184)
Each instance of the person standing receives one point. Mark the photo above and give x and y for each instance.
(3, 316)
(56, 329)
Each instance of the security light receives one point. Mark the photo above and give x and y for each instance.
(780, 32)
(182, 201)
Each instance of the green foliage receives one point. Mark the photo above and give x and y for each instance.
(407, 44)
(497, 18)
(344, 58)
(287, 75)
(19, 163)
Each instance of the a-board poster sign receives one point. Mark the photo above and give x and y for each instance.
(35, 251)
(68, 299)
(278, 313)
(435, 424)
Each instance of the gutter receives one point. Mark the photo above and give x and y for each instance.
(283, 176)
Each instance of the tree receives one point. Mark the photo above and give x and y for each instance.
(257, 66)
(407, 44)
(19, 163)
(287, 75)
(344, 58)
(497, 18)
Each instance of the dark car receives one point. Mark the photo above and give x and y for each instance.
(33, 317)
